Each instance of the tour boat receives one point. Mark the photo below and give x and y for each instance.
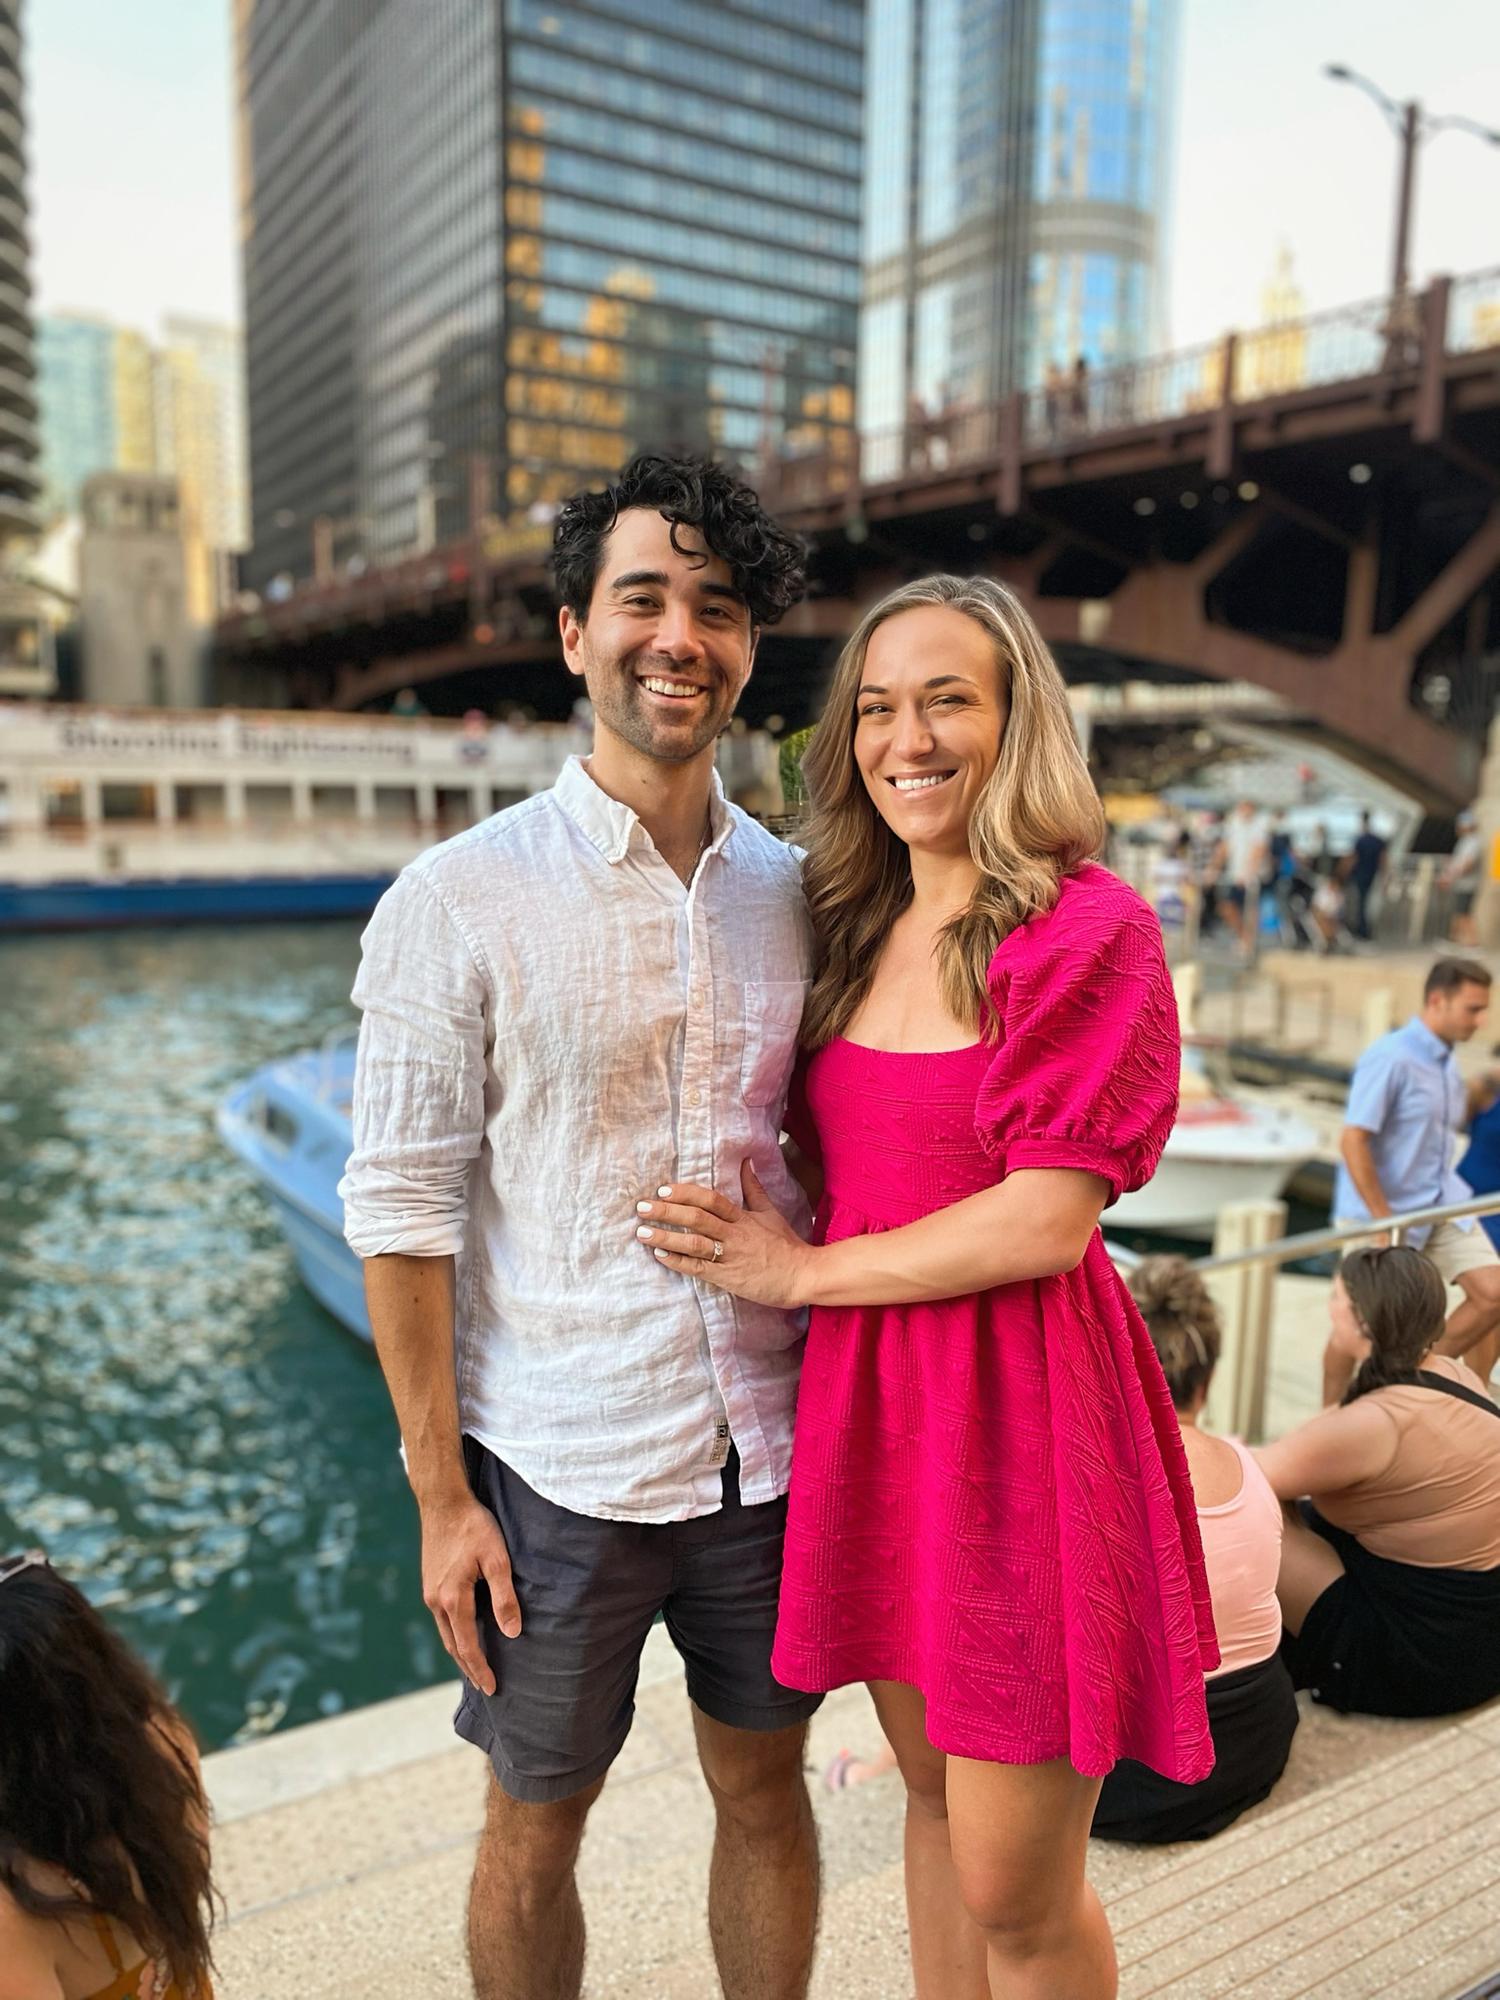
(170, 816)
(289, 1123)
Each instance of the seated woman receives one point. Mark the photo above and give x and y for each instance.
(104, 1869)
(1252, 1710)
(1390, 1575)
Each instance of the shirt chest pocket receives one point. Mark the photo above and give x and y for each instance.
(773, 1015)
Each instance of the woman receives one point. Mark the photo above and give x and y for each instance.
(104, 1872)
(991, 1520)
(1390, 1577)
(1252, 1709)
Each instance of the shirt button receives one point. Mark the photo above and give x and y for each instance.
(695, 1098)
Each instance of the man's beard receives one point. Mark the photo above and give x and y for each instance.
(624, 707)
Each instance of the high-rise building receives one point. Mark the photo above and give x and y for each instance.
(1018, 185)
(113, 401)
(200, 440)
(491, 246)
(26, 662)
(76, 356)
(98, 403)
(19, 439)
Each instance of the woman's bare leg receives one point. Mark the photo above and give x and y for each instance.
(1020, 1836)
(947, 1948)
(1308, 1566)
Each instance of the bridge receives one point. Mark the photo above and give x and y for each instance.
(1312, 508)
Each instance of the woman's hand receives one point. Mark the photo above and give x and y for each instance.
(760, 1256)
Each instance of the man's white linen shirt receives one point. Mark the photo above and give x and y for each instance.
(554, 1027)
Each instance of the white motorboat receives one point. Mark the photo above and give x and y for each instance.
(289, 1124)
(1225, 1148)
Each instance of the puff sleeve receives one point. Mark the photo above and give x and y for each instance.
(1087, 1068)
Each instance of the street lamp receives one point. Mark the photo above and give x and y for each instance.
(1411, 124)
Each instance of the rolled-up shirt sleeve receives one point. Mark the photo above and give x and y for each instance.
(418, 1109)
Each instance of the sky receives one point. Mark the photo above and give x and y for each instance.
(132, 137)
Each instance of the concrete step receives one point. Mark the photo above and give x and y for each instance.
(344, 1851)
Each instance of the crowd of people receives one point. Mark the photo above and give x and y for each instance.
(730, 1217)
(1246, 876)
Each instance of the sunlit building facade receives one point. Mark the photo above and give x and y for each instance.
(98, 403)
(1019, 175)
(492, 248)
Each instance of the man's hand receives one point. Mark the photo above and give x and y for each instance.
(462, 1542)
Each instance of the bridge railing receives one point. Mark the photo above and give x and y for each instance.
(1474, 312)
(1346, 343)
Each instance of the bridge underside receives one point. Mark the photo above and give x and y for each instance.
(1338, 547)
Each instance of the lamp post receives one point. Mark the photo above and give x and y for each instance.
(1412, 125)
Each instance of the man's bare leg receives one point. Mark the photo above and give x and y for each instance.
(763, 1878)
(525, 1919)
(1478, 1317)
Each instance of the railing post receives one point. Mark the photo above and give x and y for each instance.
(1427, 418)
(1246, 1299)
(1220, 457)
(1377, 1015)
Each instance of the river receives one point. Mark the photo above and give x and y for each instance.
(191, 1438)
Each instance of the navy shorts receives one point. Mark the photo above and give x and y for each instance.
(589, 1591)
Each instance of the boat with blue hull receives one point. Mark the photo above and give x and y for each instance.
(249, 899)
(289, 1124)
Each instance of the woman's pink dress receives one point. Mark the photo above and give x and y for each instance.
(990, 1499)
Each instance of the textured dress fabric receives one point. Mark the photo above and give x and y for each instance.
(990, 1500)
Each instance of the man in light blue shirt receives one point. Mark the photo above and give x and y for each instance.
(1407, 1105)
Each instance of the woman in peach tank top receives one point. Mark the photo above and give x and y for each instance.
(105, 1891)
(1252, 1708)
(1390, 1581)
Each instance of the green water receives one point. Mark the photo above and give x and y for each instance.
(207, 1453)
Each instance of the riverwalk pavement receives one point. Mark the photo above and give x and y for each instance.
(344, 1848)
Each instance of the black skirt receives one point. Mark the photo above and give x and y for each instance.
(1390, 1638)
(1252, 1717)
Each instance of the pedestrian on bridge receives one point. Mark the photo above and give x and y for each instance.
(1407, 1106)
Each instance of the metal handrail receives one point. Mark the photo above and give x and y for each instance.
(1286, 1249)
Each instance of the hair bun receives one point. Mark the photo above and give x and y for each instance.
(1169, 1284)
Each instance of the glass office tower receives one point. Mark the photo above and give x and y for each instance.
(493, 246)
(1017, 195)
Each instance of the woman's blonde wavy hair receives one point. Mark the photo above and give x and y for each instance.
(1037, 819)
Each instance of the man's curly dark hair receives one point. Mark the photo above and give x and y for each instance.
(766, 564)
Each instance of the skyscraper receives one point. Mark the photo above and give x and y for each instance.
(98, 404)
(26, 661)
(491, 246)
(200, 440)
(1017, 201)
(19, 439)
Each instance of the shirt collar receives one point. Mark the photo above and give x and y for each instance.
(611, 826)
(1425, 1041)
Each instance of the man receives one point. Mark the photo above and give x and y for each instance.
(1242, 867)
(591, 994)
(1366, 860)
(1459, 876)
(1407, 1104)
